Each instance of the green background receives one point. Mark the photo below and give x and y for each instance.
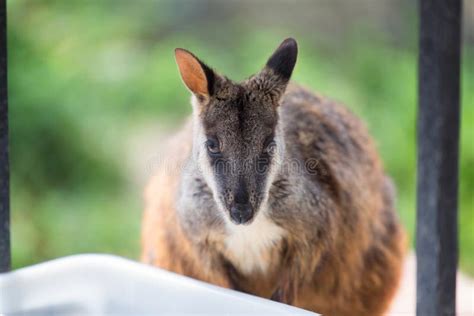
(94, 89)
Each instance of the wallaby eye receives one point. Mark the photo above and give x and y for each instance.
(270, 147)
(213, 146)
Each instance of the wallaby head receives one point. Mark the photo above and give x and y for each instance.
(237, 141)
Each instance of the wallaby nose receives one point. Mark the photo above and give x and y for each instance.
(241, 213)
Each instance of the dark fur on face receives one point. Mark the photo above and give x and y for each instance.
(239, 122)
(242, 123)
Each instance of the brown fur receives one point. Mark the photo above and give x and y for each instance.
(344, 259)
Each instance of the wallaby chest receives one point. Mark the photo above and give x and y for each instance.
(254, 248)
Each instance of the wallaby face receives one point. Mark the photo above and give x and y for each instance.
(237, 141)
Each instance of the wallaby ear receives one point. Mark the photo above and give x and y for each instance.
(276, 74)
(283, 59)
(196, 75)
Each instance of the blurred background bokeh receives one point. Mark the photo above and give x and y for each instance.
(94, 91)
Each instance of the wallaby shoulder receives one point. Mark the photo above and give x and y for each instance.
(318, 125)
(325, 135)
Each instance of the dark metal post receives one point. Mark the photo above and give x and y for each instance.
(438, 147)
(4, 165)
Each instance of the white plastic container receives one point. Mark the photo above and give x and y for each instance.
(109, 285)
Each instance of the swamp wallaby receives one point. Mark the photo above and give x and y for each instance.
(276, 191)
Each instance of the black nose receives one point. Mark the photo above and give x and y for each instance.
(241, 213)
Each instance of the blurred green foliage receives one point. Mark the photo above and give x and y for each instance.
(85, 76)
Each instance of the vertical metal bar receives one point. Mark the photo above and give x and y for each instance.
(438, 148)
(4, 164)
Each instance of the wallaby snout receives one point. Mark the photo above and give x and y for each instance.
(241, 210)
(241, 213)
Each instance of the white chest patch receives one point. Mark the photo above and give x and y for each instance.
(249, 246)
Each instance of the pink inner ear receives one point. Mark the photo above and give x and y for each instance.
(191, 72)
